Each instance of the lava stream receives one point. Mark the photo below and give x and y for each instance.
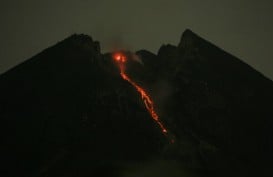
(147, 101)
(121, 59)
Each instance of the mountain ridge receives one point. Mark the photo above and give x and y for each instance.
(68, 111)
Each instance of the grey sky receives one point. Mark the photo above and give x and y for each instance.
(243, 28)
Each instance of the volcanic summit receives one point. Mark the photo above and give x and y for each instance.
(69, 111)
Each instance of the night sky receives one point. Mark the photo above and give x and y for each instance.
(243, 28)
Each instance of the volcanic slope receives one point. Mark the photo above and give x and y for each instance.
(68, 112)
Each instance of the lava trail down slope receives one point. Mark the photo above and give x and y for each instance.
(73, 111)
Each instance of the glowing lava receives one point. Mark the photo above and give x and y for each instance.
(121, 59)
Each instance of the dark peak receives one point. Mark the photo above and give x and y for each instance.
(80, 38)
(188, 39)
(84, 41)
(166, 48)
(77, 46)
(147, 57)
(143, 53)
(188, 32)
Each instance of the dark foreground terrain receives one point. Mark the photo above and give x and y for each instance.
(66, 112)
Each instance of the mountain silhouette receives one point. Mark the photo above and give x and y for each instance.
(67, 112)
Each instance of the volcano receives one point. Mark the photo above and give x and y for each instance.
(68, 112)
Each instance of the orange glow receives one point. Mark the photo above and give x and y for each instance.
(147, 101)
(149, 104)
(119, 57)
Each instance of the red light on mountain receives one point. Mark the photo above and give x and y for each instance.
(120, 58)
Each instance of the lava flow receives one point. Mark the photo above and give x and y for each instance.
(121, 59)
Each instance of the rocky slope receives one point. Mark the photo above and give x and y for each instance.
(67, 112)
